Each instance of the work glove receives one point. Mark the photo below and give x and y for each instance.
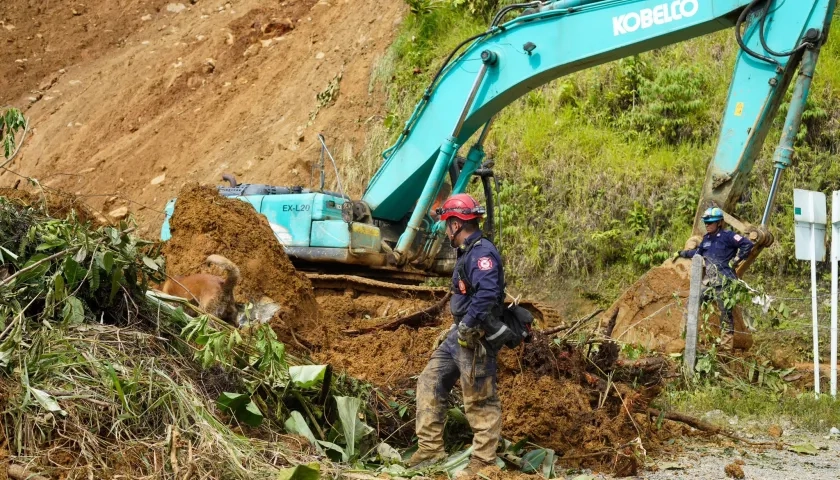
(441, 338)
(468, 336)
(675, 256)
(735, 262)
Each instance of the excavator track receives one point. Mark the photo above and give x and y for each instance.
(545, 315)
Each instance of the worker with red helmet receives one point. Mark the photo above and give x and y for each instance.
(467, 350)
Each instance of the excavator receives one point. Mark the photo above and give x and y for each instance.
(390, 236)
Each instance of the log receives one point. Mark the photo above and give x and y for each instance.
(415, 319)
(707, 427)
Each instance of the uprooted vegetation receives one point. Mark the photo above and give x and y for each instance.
(85, 344)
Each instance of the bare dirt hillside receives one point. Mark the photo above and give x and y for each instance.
(131, 99)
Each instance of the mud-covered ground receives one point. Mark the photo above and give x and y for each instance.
(555, 394)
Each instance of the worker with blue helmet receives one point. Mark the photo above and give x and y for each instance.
(723, 250)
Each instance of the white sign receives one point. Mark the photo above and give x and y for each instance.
(809, 215)
(658, 15)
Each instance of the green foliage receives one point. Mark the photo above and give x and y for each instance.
(672, 107)
(476, 7)
(651, 252)
(423, 7)
(602, 169)
(12, 121)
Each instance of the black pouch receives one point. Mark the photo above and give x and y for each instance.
(509, 329)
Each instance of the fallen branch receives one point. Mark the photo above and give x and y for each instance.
(415, 319)
(17, 472)
(575, 326)
(35, 265)
(707, 427)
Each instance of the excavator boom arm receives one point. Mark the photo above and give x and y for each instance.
(558, 38)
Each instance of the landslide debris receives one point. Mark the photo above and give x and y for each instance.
(206, 223)
(651, 312)
(569, 395)
(97, 380)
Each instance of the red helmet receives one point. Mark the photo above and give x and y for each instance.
(461, 206)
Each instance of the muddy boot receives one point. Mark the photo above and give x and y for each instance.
(473, 468)
(423, 458)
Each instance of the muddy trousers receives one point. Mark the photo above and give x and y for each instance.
(727, 321)
(448, 364)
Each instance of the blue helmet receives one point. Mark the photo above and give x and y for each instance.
(712, 215)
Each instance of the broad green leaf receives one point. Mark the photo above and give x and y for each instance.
(46, 401)
(58, 284)
(297, 425)
(36, 272)
(250, 415)
(74, 310)
(6, 255)
(335, 453)
(805, 448)
(348, 410)
(585, 476)
(458, 416)
(532, 460)
(108, 261)
(548, 464)
(94, 279)
(517, 447)
(306, 376)
(50, 244)
(115, 284)
(231, 401)
(457, 462)
(150, 263)
(311, 471)
(243, 408)
(73, 272)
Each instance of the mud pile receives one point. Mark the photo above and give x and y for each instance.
(551, 395)
(556, 395)
(651, 313)
(56, 204)
(206, 223)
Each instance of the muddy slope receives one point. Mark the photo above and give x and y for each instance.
(130, 100)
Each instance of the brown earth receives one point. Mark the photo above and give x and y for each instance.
(651, 313)
(206, 223)
(123, 93)
(546, 395)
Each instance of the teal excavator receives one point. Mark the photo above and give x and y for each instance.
(391, 231)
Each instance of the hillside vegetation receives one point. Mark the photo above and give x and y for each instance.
(602, 169)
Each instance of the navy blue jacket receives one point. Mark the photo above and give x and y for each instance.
(720, 248)
(484, 285)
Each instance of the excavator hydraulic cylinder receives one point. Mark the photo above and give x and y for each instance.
(783, 156)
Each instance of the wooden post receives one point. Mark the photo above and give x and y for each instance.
(693, 313)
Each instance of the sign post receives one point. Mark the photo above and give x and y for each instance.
(835, 257)
(809, 214)
(693, 313)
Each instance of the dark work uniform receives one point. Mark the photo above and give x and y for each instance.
(718, 249)
(481, 262)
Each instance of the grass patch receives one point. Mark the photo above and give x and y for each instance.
(802, 409)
